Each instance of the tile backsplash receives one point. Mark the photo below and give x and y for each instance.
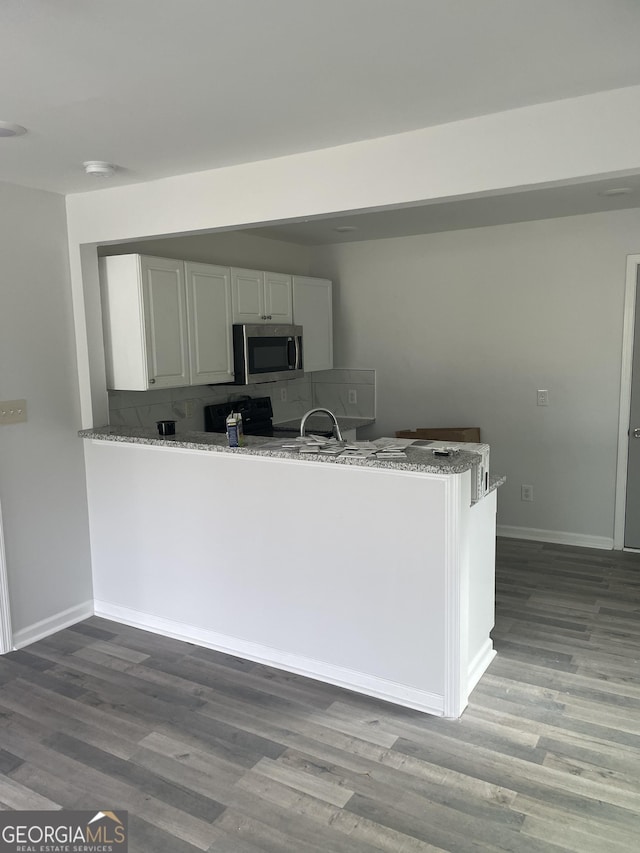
(346, 392)
(184, 405)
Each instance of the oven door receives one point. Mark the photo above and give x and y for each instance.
(267, 353)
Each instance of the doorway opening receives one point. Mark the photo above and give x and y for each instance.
(626, 534)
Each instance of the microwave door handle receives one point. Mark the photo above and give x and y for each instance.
(294, 357)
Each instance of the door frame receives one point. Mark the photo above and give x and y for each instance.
(628, 331)
(6, 633)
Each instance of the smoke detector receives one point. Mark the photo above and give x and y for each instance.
(9, 129)
(99, 168)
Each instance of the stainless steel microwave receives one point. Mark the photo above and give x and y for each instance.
(266, 353)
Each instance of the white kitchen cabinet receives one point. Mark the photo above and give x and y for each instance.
(145, 322)
(261, 297)
(166, 323)
(209, 323)
(313, 310)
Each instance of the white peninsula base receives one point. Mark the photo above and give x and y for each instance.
(377, 580)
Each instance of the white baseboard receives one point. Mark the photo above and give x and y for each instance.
(380, 688)
(557, 537)
(479, 664)
(42, 629)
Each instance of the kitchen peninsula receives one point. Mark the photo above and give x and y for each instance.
(374, 575)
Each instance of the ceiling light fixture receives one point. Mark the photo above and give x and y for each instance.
(617, 191)
(344, 229)
(9, 129)
(99, 168)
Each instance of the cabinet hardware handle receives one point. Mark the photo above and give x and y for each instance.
(269, 317)
(636, 433)
(151, 381)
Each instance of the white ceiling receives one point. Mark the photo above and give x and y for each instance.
(164, 87)
(160, 88)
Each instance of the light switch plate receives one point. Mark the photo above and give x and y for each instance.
(13, 411)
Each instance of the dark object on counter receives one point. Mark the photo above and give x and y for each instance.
(455, 434)
(257, 418)
(166, 428)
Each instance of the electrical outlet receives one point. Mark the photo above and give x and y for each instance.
(526, 493)
(283, 395)
(13, 411)
(353, 396)
(543, 397)
(188, 409)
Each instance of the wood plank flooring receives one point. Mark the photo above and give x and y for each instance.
(213, 753)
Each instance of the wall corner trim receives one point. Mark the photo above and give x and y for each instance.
(48, 626)
(5, 610)
(478, 666)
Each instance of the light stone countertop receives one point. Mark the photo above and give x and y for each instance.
(418, 459)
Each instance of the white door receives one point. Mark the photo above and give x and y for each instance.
(632, 508)
(247, 296)
(312, 309)
(278, 298)
(209, 312)
(165, 312)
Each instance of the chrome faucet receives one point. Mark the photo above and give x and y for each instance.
(336, 428)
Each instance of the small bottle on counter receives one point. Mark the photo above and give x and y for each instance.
(235, 434)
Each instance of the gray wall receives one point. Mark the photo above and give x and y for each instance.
(42, 481)
(463, 328)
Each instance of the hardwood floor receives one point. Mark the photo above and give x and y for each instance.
(209, 752)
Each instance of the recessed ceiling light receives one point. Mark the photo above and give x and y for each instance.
(617, 191)
(99, 168)
(9, 129)
(344, 229)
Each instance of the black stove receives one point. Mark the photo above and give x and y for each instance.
(257, 414)
(257, 418)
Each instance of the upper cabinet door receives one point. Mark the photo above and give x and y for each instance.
(247, 296)
(261, 297)
(165, 315)
(209, 312)
(278, 300)
(313, 310)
